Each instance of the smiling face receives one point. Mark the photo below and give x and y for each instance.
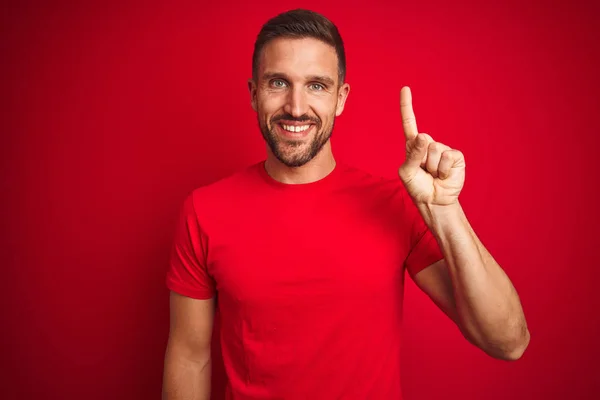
(297, 95)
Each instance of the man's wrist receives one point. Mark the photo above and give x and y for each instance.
(441, 219)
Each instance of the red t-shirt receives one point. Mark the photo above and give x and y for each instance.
(309, 279)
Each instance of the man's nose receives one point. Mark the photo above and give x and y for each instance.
(296, 104)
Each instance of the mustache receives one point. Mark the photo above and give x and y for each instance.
(288, 117)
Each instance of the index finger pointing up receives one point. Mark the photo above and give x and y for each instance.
(409, 123)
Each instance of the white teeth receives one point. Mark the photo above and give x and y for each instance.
(295, 128)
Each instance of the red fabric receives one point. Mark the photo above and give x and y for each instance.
(309, 280)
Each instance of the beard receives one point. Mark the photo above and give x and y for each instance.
(296, 153)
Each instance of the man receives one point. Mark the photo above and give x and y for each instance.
(308, 256)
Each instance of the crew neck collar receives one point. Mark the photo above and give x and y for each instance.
(325, 181)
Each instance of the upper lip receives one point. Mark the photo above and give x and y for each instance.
(294, 123)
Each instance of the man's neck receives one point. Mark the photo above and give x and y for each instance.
(314, 170)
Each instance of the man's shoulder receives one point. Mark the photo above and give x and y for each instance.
(369, 181)
(383, 194)
(230, 186)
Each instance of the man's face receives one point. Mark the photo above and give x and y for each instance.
(297, 95)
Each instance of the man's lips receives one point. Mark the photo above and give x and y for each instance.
(294, 131)
(294, 123)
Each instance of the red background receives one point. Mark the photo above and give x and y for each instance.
(113, 113)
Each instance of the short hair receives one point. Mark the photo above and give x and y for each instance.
(300, 24)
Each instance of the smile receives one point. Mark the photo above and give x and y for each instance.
(295, 128)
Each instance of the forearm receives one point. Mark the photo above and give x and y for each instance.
(488, 308)
(186, 378)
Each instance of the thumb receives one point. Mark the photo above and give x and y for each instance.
(416, 150)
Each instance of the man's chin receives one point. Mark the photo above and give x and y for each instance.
(292, 160)
(292, 152)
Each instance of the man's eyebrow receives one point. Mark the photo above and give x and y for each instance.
(320, 78)
(271, 75)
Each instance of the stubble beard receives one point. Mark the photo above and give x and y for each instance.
(296, 153)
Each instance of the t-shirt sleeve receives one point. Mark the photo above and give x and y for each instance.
(424, 249)
(187, 273)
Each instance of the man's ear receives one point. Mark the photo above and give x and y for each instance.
(252, 90)
(343, 93)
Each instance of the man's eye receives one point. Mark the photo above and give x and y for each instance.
(317, 86)
(278, 83)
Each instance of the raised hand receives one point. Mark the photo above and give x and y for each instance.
(433, 173)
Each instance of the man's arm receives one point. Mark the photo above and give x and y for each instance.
(471, 288)
(469, 285)
(187, 369)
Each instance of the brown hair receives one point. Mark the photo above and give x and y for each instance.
(300, 24)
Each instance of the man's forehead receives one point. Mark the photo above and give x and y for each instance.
(307, 55)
